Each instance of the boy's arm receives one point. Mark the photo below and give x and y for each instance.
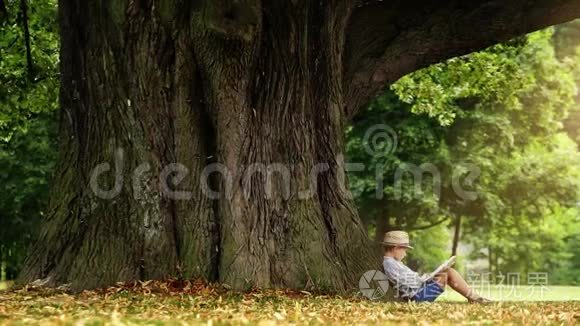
(402, 274)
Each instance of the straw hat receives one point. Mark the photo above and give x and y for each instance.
(397, 238)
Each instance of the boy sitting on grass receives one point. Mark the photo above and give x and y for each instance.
(409, 285)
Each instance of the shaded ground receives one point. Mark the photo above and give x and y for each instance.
(179, 302)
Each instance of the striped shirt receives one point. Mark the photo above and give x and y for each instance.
(406, 281)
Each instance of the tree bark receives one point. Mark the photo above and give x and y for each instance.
(382, 227)
(456, 235)
(203, 139)
(157, 87)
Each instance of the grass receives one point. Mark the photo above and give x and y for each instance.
(184, 302)
(5, 285)
(520, 293)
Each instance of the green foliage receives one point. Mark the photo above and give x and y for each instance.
(24, 96)
(430, 248)
(28, 102)
(26, 162)
(531, 211)
(565, 41)
(507, 77)
(501, 112)
(566, 271)
(415, 140)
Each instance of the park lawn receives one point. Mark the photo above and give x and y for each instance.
(5, 285)
(520, 293)
(195, 303)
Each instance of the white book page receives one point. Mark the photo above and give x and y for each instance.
(448, 263)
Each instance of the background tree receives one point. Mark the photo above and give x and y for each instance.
(501, 110)
(28, 103)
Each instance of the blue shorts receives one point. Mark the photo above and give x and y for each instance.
(428, 292)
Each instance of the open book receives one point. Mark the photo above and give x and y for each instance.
(448, 263)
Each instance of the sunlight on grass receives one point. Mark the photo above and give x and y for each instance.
(520, 293)
(5, 285)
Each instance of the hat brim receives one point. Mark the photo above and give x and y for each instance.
(398, 244)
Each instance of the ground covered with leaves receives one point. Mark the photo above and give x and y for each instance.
(183, 302)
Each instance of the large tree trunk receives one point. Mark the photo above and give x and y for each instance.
(246, 89)
(203, 90)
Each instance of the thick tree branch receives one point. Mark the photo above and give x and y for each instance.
(386, 40)
(428, 226)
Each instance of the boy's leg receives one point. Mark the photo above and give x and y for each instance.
(452, 278)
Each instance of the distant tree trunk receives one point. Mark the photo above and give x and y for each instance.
(3, 11)
(227, 91)
(2, 265)
(383, 225)
(456, 235)
(382, 228)
(26, 31)
(490, 260)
